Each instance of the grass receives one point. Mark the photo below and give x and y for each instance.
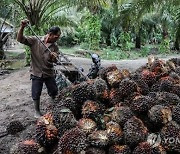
(14, 60)
(69, 50)
(108, 53)
(18, 64)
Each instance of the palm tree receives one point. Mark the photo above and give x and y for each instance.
(39, 11)
(138, 9)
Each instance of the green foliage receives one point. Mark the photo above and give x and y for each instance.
(89, 31)
(114, 54)
(27, 56)
(165, 46)
(5, 6)
(68, 40)
(38, 12)
(114, 40)
(144, 51)
(80, 34)
(112, 24)
(125, 41)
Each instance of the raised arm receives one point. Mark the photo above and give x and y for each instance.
(20, 35)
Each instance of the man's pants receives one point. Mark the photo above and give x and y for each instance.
(37, 85)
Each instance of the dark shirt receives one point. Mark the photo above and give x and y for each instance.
(41, 62)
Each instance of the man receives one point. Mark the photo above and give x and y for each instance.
(41, 62)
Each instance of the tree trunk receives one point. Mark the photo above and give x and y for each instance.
(108, 40)
(2, 54)
(138, 40)
(164, 33)
(177, 40)
(176, 44)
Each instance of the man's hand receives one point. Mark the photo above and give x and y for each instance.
(54, 56)
(24, 23)
(20, 35)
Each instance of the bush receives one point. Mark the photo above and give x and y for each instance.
(165, 46)
(69, 40)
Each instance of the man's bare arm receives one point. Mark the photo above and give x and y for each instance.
(20, 34)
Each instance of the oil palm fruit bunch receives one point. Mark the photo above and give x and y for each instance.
(46, 132)
(165, 98)
(63, 119)
(172, 66)
(141, 104)
(114, 78)
(163, 84)
(126, 73)
(136, 76)
(134, 132)
(29, 147)
(65, 92)
(142, 87)
(177, 70)
(82, 92)
(119, 149)
(175, 77)
(176, 61)
(176, 113)
(160, 115)
(155, 87)
(92, 109)
(127, 101)
(127, 87)
(145, 147)
(151, 59)
(176, 89)
(87, 125)
(121, 114)
(157, 66)
(170, 135)
(69, 103)
(166, 85)
(103, 72)
(115, 133)
(101, 89)
(95, 150)
(14, 127)
(98, 138)
(149, 77)
(73, 141)
(114, 96)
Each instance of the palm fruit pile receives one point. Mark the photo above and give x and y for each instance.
(119, 112)
(29, 147)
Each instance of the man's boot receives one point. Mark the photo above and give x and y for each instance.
(37, 108)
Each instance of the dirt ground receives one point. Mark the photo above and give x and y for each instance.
(16, 102)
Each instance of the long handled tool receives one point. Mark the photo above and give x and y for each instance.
(60, 53)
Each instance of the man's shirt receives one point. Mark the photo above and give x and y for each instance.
(41, 62)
